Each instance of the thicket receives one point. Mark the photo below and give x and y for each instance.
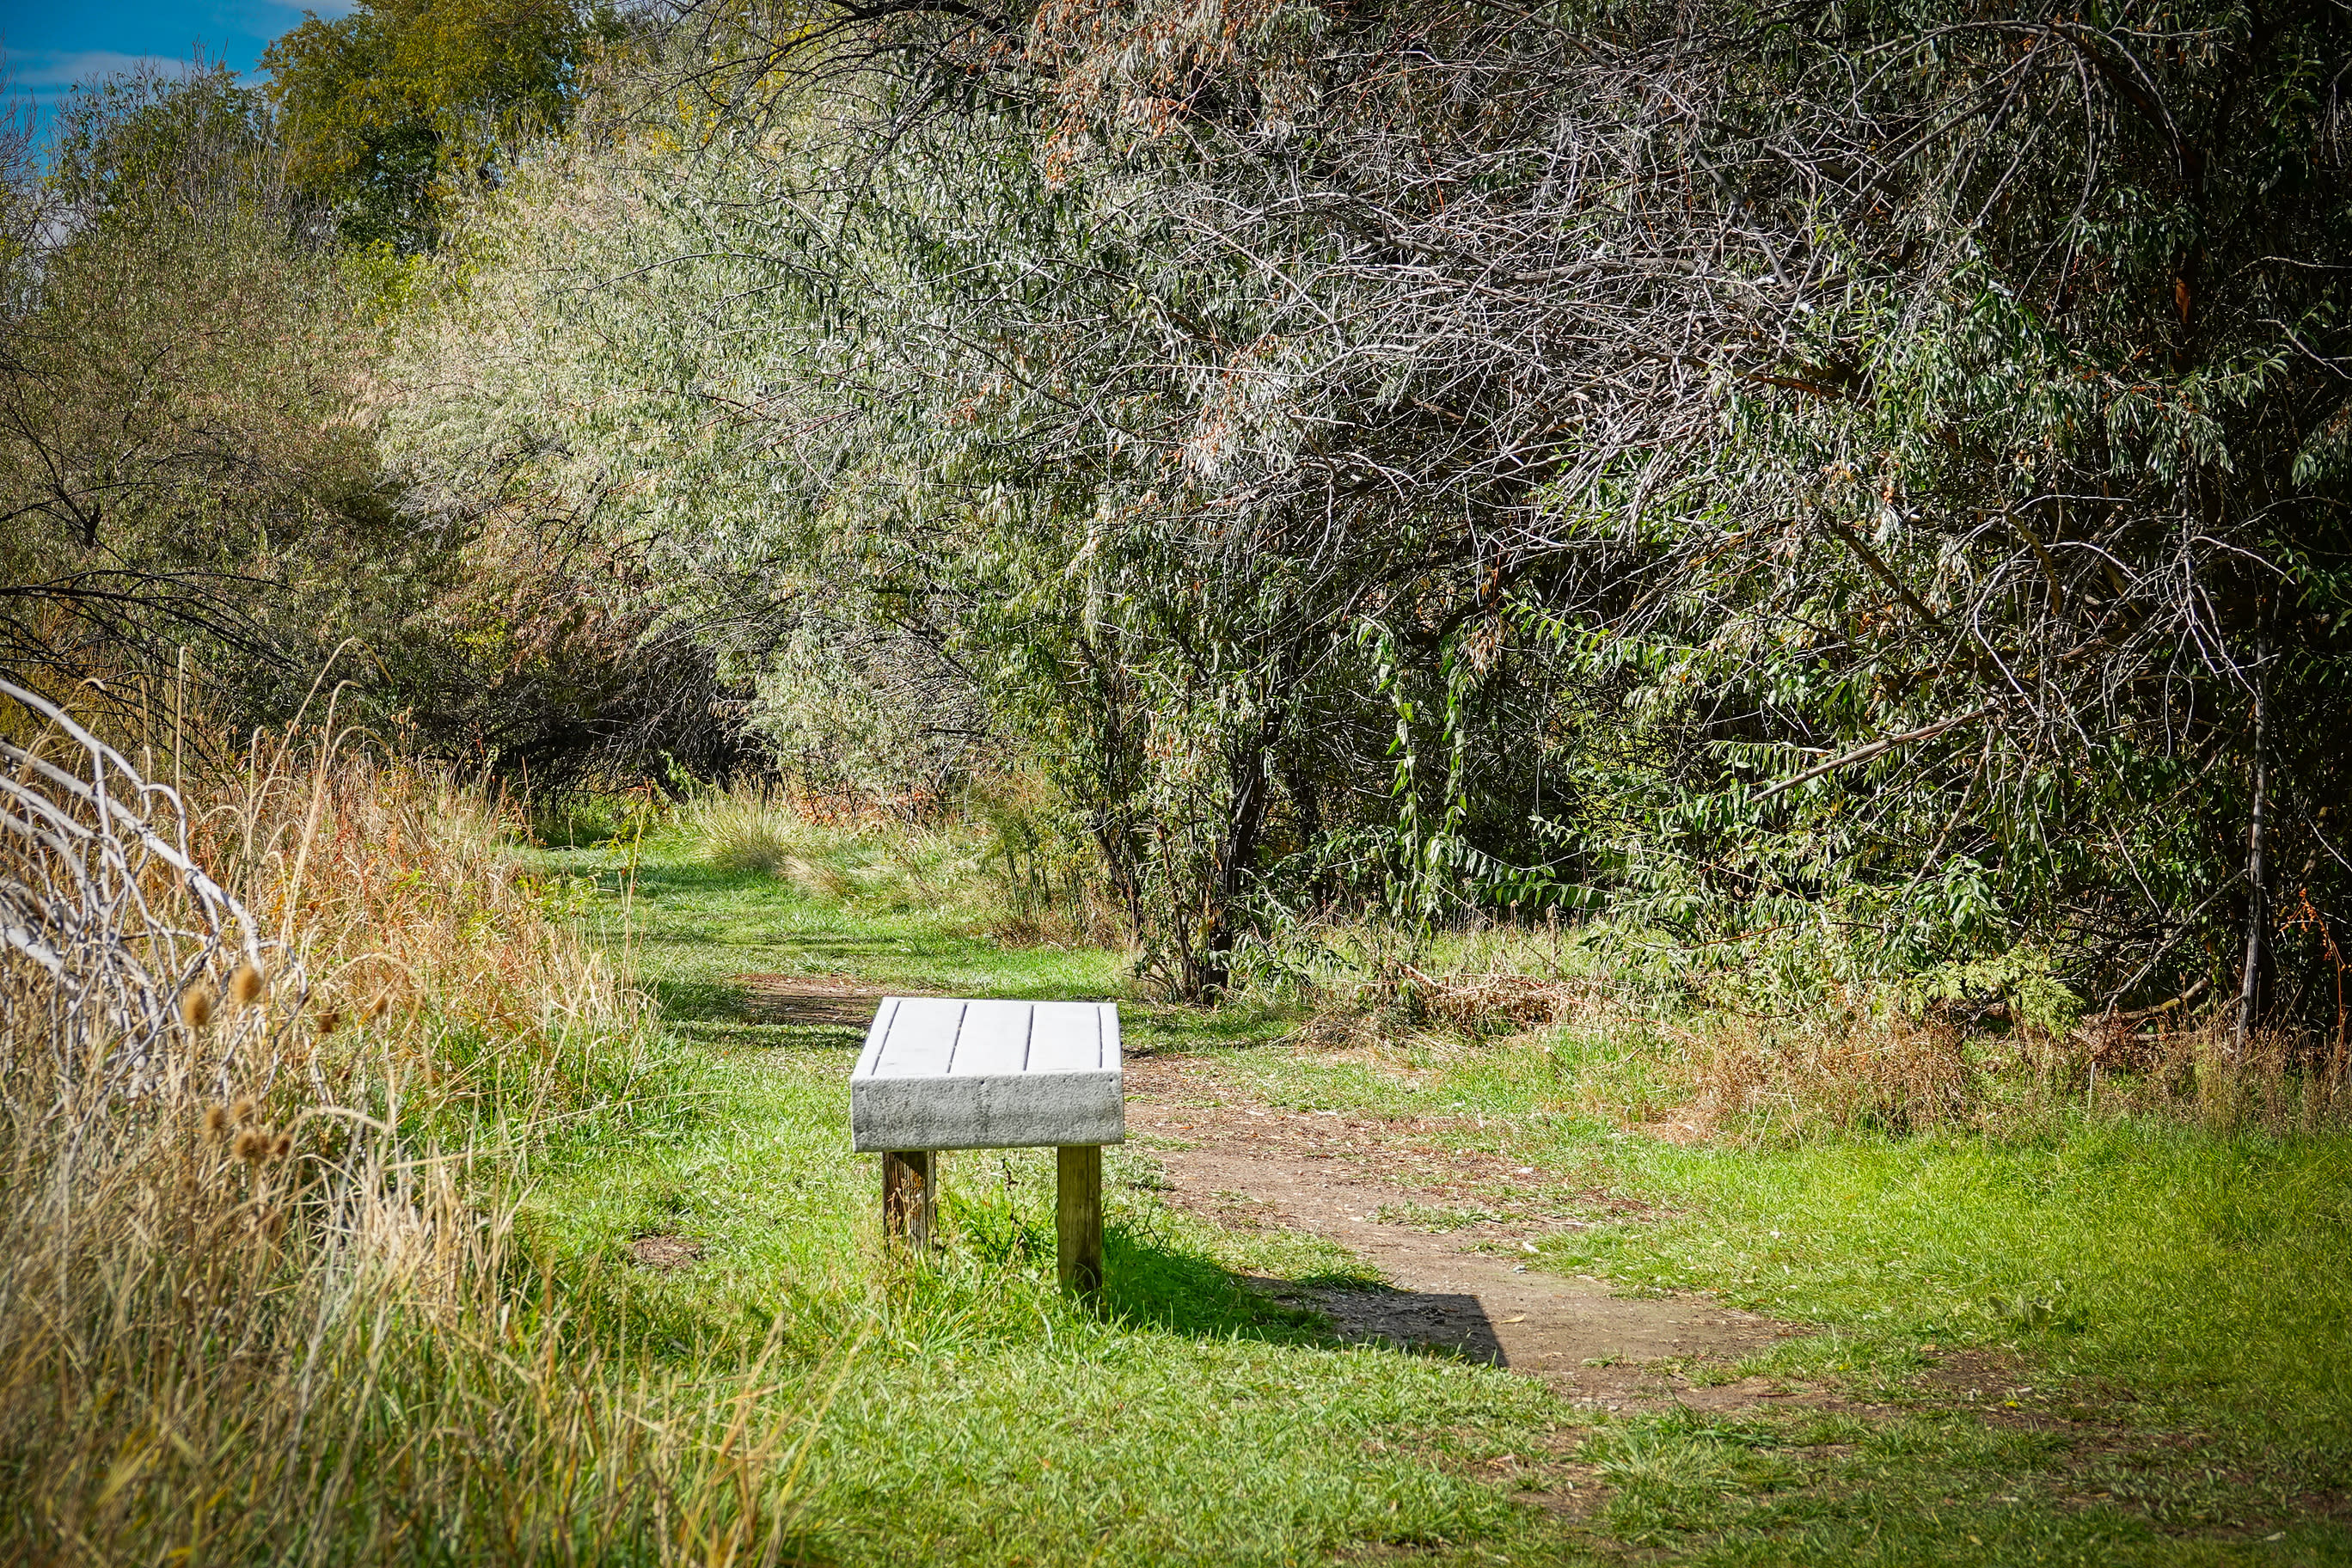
(1856, 492)
(191, 491)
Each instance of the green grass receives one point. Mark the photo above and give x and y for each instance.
(2195, 1270)
(2180, 1394)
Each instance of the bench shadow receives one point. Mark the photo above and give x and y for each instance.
(1149, 1284)
(698, 1001)
(728, 1013)
(1415, 1319)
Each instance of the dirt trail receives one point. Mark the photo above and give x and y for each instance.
(1446, 1227)
(836, 999)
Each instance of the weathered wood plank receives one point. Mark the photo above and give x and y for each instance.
(1077, 1217)
(920, 1039)
(909, 1197)
(1070, 1039)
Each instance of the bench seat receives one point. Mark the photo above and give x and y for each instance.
(945, 1073)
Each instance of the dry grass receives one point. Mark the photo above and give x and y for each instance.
(1490, 979)
(1714, 1063)
(1856, 1062)
(2278, 1081)
(1864, 1059)
(1498, 1002)
(745, 833)
(879, 859)
(267, 1068)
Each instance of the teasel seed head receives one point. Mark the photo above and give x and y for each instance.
(242, 1111)
(252, 1145)
(216, 1121)
(245, 984)
(196, 1007)
(283, 1147)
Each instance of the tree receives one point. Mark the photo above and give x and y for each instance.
(1839, 460)
(393, 107)
(189, 468)
(181, 457)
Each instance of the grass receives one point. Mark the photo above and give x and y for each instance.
(974, 1414)
(260, 1297)
(411, 1324)
(2177, 1400)
(2181, 1264)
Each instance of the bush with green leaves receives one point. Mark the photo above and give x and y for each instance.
(1876, 473)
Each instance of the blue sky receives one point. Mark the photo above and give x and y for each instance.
(51, 44)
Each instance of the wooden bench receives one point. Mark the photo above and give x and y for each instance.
(947, 1073)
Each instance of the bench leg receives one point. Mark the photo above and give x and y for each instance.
(909, 1197)
(1078, 1215)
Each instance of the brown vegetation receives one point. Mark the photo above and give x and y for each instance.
(1861, 1056)
(254, 1237)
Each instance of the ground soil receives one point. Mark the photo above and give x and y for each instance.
(809, 999)
(1449, 1229)
(664, 1252)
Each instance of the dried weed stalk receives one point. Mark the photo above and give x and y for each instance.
(261, 1047)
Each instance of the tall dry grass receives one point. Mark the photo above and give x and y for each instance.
(1867, 1058)
(273, 1053)
(1858, 1060)
(1723, 1053)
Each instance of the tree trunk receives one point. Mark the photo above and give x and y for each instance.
(1308, 809)
(1108, 796)
(2257, 886)
(1209, 962)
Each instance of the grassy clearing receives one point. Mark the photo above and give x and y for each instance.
(2158, 1302)
(2133, 1256)
(2177, 1400)
(970, 1412)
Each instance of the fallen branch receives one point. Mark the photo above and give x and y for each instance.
(1876, 748)
(2146, 1013)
